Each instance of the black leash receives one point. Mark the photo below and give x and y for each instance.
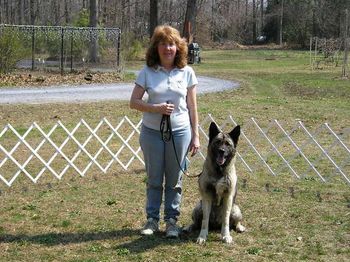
(166, 133)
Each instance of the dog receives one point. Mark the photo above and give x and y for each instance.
(218, 187)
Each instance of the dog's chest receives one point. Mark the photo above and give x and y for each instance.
(219, 187)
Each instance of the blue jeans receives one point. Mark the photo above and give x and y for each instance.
(160, 161)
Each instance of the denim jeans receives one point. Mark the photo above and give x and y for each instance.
(160, 161)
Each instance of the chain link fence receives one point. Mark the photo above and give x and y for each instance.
(64, 47)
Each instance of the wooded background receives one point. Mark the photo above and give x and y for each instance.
(242, 21)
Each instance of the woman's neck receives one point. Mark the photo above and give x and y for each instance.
(167, 66)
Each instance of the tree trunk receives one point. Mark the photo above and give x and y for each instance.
(153, 13)
(94, 38)
(1, 13)
(246, 14)
(104, 13)
(281, 24)
(190, 21)
(56, 9)
(32, 13)
(66, 11)
(254, 21)
(346, 45)
(261, 17)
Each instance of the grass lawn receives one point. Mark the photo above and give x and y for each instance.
(98, 217)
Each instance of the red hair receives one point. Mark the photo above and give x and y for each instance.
(168, 34)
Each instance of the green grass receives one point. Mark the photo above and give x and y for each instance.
(98, 217)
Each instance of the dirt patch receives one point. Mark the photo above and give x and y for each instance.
(229, 45)
(27, 78)
(295, 89)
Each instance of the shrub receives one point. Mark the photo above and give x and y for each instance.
(132, 48)
(10, 51)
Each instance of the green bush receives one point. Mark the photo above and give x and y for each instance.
(10, 51)
(82, 19)
(133, 48)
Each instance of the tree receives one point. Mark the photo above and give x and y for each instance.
(346, 45)
(32, 13)
(216, 20)
(261, 17)
(254, 22)
(190, 20)
(281, 23)
(153, 16)
(93, 23)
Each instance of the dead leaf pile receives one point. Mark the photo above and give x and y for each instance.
(37, 78)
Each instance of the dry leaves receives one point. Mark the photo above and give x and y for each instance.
(38, 78)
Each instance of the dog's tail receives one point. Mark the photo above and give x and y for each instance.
(192, 176)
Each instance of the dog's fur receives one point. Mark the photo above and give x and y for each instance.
(217, 185)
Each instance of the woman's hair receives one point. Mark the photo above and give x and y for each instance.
(168, 34)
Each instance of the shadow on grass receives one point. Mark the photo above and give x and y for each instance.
(144, 243)
(137, 245)
(51, 239)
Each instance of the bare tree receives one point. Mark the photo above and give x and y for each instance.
(281, 23)
(218, 20)
(190, 20)
(32, 12)
(153, 16)
(346, 46)
(261, 16)
(254, 21)
(94, 23)
(66, 11)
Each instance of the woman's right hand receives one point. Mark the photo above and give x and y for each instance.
(165, 108)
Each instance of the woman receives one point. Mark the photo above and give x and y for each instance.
(171, 88)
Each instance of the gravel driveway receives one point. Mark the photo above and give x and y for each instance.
(94, 92)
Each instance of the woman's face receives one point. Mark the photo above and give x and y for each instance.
(166, 52)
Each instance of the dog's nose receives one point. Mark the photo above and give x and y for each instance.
(221, 151)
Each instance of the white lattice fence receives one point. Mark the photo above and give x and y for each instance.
(33, 151)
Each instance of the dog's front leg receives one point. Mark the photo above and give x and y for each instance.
(225, 226)
(206, 206)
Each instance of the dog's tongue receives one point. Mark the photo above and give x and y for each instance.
(220, 160)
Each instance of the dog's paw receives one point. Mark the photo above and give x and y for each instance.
(227, 239)
(201, 240)
(240, 228)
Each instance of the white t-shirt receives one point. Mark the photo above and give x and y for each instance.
(162, 86)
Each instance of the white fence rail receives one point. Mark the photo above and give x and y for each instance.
(321, 153)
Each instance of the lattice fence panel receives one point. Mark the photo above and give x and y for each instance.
(263, 148)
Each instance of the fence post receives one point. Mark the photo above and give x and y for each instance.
(118, 50)
(33, 47)
(71, 50)
(62, 46)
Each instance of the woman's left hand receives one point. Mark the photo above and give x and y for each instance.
(195, 145)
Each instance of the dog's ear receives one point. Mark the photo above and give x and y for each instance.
(213, 131)
(234, 134)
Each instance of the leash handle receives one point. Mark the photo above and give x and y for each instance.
(166, 134)
(165, 127)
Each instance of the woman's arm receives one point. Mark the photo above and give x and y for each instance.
(137, 103)
(192, 107)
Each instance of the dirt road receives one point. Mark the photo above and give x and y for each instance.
(94, 92)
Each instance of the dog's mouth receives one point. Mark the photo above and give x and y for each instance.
(220, 159)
